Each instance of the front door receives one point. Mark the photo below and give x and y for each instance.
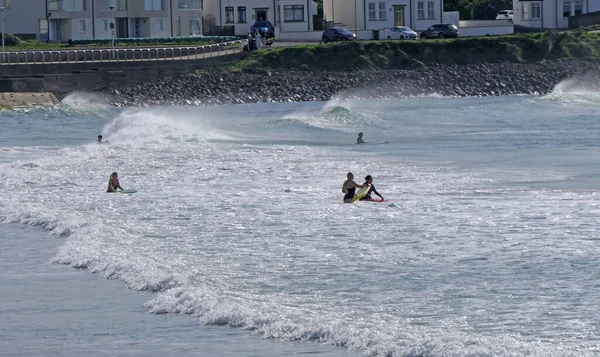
(398, 15)
(122, 28)
(55, 30)
(261, 15)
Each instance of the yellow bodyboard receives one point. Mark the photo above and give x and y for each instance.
(361, 193)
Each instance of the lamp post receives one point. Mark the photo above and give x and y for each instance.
(112, 28)
(2, 16)
(355, 22)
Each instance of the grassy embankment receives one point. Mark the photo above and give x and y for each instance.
(521, 48)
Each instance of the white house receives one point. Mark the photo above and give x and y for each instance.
(287, 15)
(378, 14)
(550, 14)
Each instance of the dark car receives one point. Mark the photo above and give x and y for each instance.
(440, 31)
(334, 34)
(265, 28)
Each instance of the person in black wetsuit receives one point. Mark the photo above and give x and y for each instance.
(360, 139)
(369, 181)
(113, 183)
(349, 188)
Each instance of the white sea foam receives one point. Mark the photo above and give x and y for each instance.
(485, 250)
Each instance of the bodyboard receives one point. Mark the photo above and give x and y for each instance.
(361, 193)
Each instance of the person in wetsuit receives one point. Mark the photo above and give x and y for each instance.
(369, 181)
(349, 188)
(360, 139)
(113, 183)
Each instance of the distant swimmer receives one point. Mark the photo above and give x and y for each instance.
(369, 181)
(360, 140)
(349, 188)
(99, 141)
(113, 183)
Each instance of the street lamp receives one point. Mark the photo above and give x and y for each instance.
(112, 28)
(2, 16)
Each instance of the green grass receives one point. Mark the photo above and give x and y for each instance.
(521, 48)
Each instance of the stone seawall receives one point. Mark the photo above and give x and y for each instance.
(219, 87)
(62, 79)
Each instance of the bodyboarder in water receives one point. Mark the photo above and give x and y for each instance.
(360, 139)
(349, 188)
(113, 183)
(367, 197)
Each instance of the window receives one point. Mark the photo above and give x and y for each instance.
(228, 14)
(372, 12)
(43, 23)
(104, 25)
(578, 7)
(421, 10)
(430, 10)
(121, 5)
(189, 5)
(382, 11)
(177, 26)
(158, 25)
(81, 26)
(293, 13)
(152, 5)
(566, 8)
(80, 5)
(241, 14)
(536, 11)
(195, 28)
(525, 9)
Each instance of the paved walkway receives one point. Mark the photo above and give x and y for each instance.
(15, 99)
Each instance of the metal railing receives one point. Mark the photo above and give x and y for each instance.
(121, 54)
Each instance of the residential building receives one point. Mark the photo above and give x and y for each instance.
(92, 19)
(378, 14)
(26, 18)
(550, 14)
(287, 15)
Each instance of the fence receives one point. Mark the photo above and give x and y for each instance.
(121, 54)
(212, 30)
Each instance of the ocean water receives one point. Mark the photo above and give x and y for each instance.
(487, 245)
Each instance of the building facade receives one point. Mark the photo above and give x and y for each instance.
(550, 14)
(287, 15)
(94, 19)
(26, 18)
(382, 14)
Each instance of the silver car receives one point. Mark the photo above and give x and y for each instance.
(401, 33)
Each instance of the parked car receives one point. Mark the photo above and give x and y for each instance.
(401, 33)
(440, 31)
(334, 34)
(265, 28)
(505, 15)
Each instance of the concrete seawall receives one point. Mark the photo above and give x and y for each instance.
(61, 79)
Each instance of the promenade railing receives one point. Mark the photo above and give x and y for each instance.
(121, 54)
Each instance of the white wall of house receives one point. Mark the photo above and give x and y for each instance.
(241, 14)
(380, 14)
(80, 29)
(345, 13)
(295, 15)
(551, 14)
